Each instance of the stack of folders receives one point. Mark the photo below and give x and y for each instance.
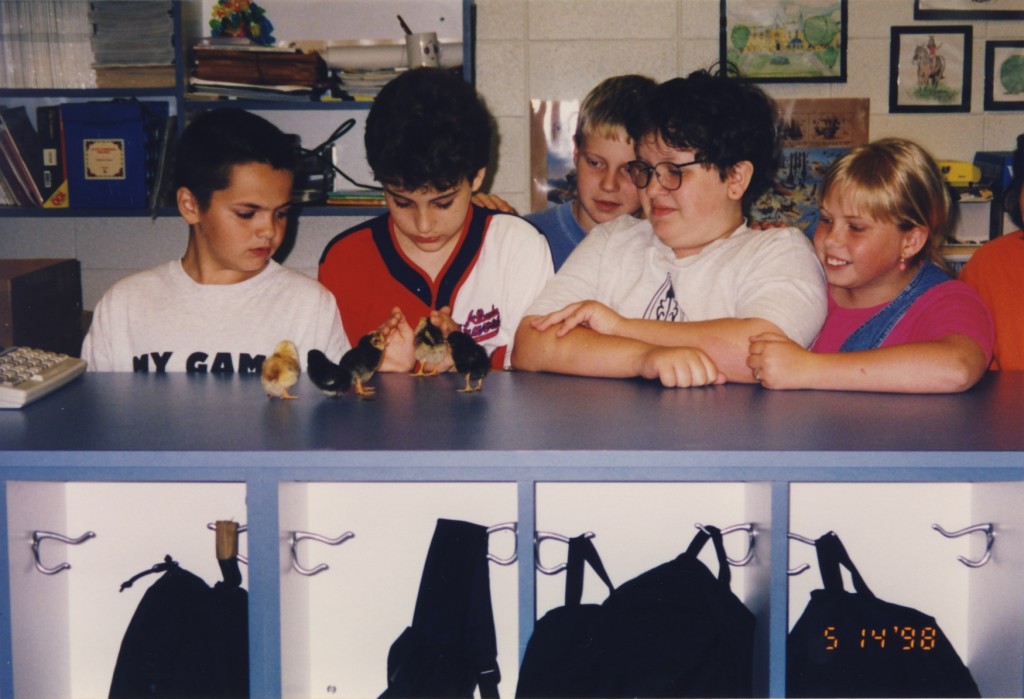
(86, 155)
(133, 43)
(46, 44)
(21, 159)
(242, 69)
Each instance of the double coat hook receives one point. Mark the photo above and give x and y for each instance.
(989, 531)
(320, 567)
(39, 536)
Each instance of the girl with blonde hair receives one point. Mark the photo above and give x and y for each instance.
(896, 321)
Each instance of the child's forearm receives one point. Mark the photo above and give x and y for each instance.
(950, 365)
(582, 352)
(726, 340)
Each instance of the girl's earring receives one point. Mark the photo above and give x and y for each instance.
(903, 264)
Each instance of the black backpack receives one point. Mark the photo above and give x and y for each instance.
(186, 639)
(673, 631)
(852, 644)
(451, 646)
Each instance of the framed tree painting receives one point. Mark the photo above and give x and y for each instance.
(1004, 75)
(930, 68)
(968, 9)
(785, 40)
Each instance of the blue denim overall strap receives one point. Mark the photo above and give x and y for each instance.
(874, 331)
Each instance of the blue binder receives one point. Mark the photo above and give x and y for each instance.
(110, 151)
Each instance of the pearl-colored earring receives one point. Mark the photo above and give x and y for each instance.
(903, 264)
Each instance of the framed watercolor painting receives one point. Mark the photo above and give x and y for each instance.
(785, 40)
(930, 68)
(1004, 75)
(968, 9)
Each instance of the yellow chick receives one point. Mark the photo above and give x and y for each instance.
(281, 370)
(429, 348)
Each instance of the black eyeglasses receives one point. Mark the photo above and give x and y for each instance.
(670, 175)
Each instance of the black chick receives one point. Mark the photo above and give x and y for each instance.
(329, 377)
(428, 347)
(361, 361)
(470, 359)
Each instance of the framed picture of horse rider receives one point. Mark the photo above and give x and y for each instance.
(930, 68)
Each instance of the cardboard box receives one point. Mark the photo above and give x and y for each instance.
(41, 305)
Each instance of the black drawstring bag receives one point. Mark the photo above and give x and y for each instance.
(186, 639)
(451, 646)
(852, 644)
(673, 631)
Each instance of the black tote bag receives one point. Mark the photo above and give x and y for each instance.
(674, 631)
(852, 644)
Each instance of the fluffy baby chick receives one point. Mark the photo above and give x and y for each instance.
(470, 359)
(428, 347)
(281, 370)
(361, 361)
(329, 377)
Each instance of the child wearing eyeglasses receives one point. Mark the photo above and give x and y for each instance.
(601, 150)
(676, 297)
(896, 320)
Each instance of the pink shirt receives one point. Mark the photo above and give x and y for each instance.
(949, 308)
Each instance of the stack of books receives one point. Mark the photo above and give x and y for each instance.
(356, 197)
(46, 44)
(133, 43)
(233, 67)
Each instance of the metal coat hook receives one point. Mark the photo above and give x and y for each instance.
(990, 536)
(803, 566)
(38, 536)
(242, 528)
(749, 529)
(321, 567)
(539, 538)
(505, 527)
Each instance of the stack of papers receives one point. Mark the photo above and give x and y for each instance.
(133, 43)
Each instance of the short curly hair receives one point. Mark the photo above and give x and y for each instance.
(722, 117)
(427, 127)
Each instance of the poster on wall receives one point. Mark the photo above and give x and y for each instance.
(785, 40)
(552, 171)
(930, 68)
(812, 134)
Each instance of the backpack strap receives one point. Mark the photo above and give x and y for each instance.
(832, 554)
(874, 331)
(581, 549)
(715, 534)
(454, 600)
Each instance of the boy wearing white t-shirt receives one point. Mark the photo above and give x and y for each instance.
(677, 296)
(223, 306)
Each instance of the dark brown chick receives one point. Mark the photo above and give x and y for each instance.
(471, 360)
(361, 361)
(429, 347)
(281, 370)
(329, 377)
